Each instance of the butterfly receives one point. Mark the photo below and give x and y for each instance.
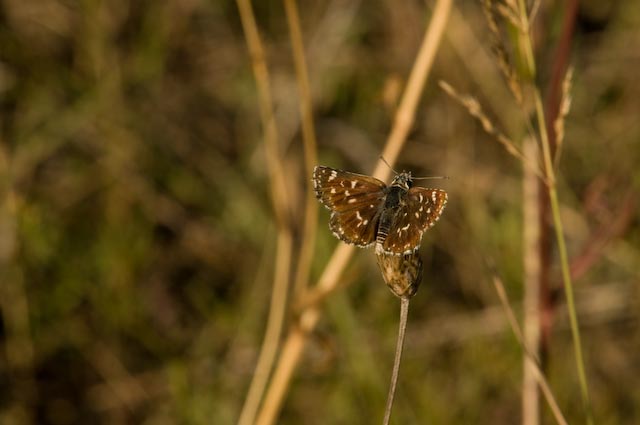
(365, 211)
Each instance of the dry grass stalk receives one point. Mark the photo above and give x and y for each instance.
(533, 361)
(284, 246)
(498, 47)
(296, 339)
(475, 110)
(512, 4)
(310, 147)
(404, 313)
(510, 14)
(565, 106)
(534, 11)
(527, 48)
(531, 261)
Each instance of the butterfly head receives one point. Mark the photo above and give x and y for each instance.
(403, 180)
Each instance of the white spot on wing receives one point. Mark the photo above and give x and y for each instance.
(354, 184)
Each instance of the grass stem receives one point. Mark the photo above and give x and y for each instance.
(555, 209)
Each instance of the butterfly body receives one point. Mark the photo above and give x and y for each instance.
(365, 211)
(393, 204)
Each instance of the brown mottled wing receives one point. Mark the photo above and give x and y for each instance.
(421, 210)
(355, 202)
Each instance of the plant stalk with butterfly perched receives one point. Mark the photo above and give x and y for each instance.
(364, 212)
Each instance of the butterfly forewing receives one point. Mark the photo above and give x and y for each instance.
(421, 210)
(355, 202)
(341, 190)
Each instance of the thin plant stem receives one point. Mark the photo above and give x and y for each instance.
(531, 282)
(308, 318)
(555, 209)
(296, 339)
(402, 328)
(417, 79)
(310, 147)
(273, 330)
(284, 244)
(568, 288)
(533, 361)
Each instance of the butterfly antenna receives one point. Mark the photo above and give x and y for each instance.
(390, 167)
(432, 178)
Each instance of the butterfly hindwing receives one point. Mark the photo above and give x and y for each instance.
(420, 210)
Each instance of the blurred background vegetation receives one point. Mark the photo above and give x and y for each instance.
(137, 234)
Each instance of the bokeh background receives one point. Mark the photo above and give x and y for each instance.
(137, 232)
